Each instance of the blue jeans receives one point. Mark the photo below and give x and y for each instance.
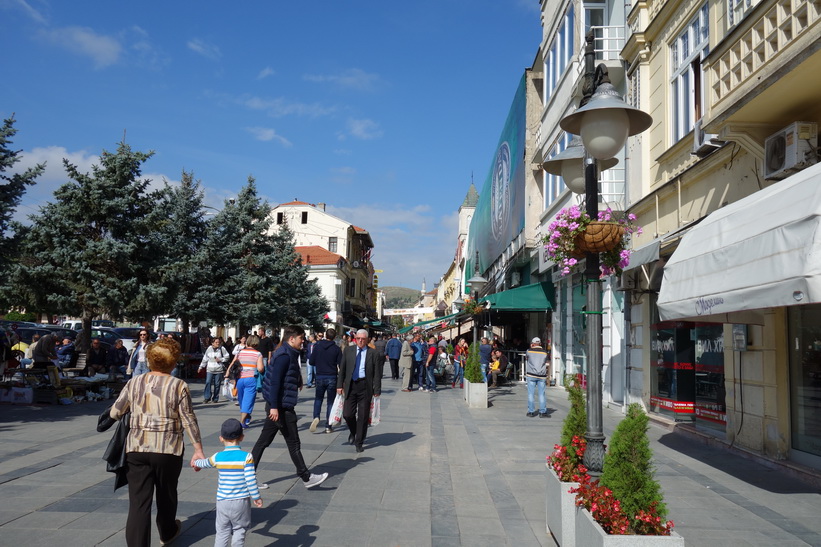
(212, 379)
(485, 366)
(458, 373)
(141, 368)
(420, 373)
(311, 375)
(325, 389)
(431, 384)
(532, 384)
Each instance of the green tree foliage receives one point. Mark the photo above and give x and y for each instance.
(87, 251)
(300, 299)
(181, 277)
(12, 188)
(473, 369)
(257, 278)
(19, 316)
(628, 468)
(575, 423)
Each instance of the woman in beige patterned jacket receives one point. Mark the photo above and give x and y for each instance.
(161, 409)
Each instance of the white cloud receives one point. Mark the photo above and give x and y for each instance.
(353, 78)
(278, 107)
(266, 134)
(265, 72)
(103, 50)
(364, 129)
(205, 49)
(410, 243)
(142, 50)
(26, 8)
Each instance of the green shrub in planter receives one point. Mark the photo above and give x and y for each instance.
(628, 468)
(575, 423)
(473, 370)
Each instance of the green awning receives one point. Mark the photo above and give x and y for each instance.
(536, 297)
(428, 322)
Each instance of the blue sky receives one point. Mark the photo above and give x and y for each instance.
(380, 109)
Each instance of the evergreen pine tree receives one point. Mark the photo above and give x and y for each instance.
(628, 468)
(85, 251)
(12, 188)
(181, 277)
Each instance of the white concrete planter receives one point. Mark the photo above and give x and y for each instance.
(560, 509)
(590, 534)
(476, 394)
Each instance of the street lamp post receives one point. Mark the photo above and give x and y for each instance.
(603, 121)
(477, 283)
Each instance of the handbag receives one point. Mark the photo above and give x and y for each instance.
(376, 411)
(115, 455)
(336, 411)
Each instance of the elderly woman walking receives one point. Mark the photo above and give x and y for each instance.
(161, 409)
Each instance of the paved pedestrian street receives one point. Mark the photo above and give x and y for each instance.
(433, 473)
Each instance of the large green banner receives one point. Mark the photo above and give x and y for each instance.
(500, 213)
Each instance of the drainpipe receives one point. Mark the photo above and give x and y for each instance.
(628, 346)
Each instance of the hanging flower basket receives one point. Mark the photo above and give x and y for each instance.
(573, 233)
(599, 237)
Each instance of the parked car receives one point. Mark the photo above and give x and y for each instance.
(102, 323)
(73, 325)
(27, 333)
(61, 331)
(192, 351)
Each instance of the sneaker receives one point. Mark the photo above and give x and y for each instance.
(315, 480)
(544, 415)
(329, 430)
(262, 486)
(176, 534)
(205, 402)
(314, 423)
(531, 414)
(236, 403)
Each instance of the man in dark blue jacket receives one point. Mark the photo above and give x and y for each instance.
(283, 380)
(326, 357)
(394, 351)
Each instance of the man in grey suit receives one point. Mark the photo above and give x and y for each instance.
(359, 380)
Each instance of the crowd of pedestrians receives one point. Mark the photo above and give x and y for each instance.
(351, 366)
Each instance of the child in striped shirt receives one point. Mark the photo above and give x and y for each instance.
(236, 488)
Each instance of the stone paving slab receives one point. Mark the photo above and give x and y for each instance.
(434, 473)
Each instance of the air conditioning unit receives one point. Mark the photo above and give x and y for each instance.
(704, 143)
(626, 282)
(790, 150)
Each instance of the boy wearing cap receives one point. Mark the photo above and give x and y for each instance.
(536, 374)
(236, 488)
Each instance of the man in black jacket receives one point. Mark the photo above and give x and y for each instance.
(326, 357)
(283, 380)
(359, 380)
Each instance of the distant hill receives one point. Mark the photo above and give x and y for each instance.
(400, 297)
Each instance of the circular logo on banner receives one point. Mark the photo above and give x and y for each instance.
(500, 192)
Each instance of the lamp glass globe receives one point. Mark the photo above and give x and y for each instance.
(573, 175)
(604, 132)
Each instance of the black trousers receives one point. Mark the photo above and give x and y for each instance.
(357, 410)
(287, 425)
(395, 369)
(148, 471)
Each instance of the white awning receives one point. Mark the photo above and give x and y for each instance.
(763, 251)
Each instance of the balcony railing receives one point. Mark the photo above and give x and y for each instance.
(607, 43)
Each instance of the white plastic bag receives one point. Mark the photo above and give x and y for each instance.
(336, 411)
(376, 411)
(226, 391)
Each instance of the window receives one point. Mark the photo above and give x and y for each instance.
(352, 287)
(332, 244)
(560, 54)
(686, 53)
(553, 184)
(280, 218)
(304, 217)
(736, 9)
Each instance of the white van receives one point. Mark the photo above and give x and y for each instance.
(73, 325)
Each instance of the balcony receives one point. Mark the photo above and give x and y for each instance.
(765, 69)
